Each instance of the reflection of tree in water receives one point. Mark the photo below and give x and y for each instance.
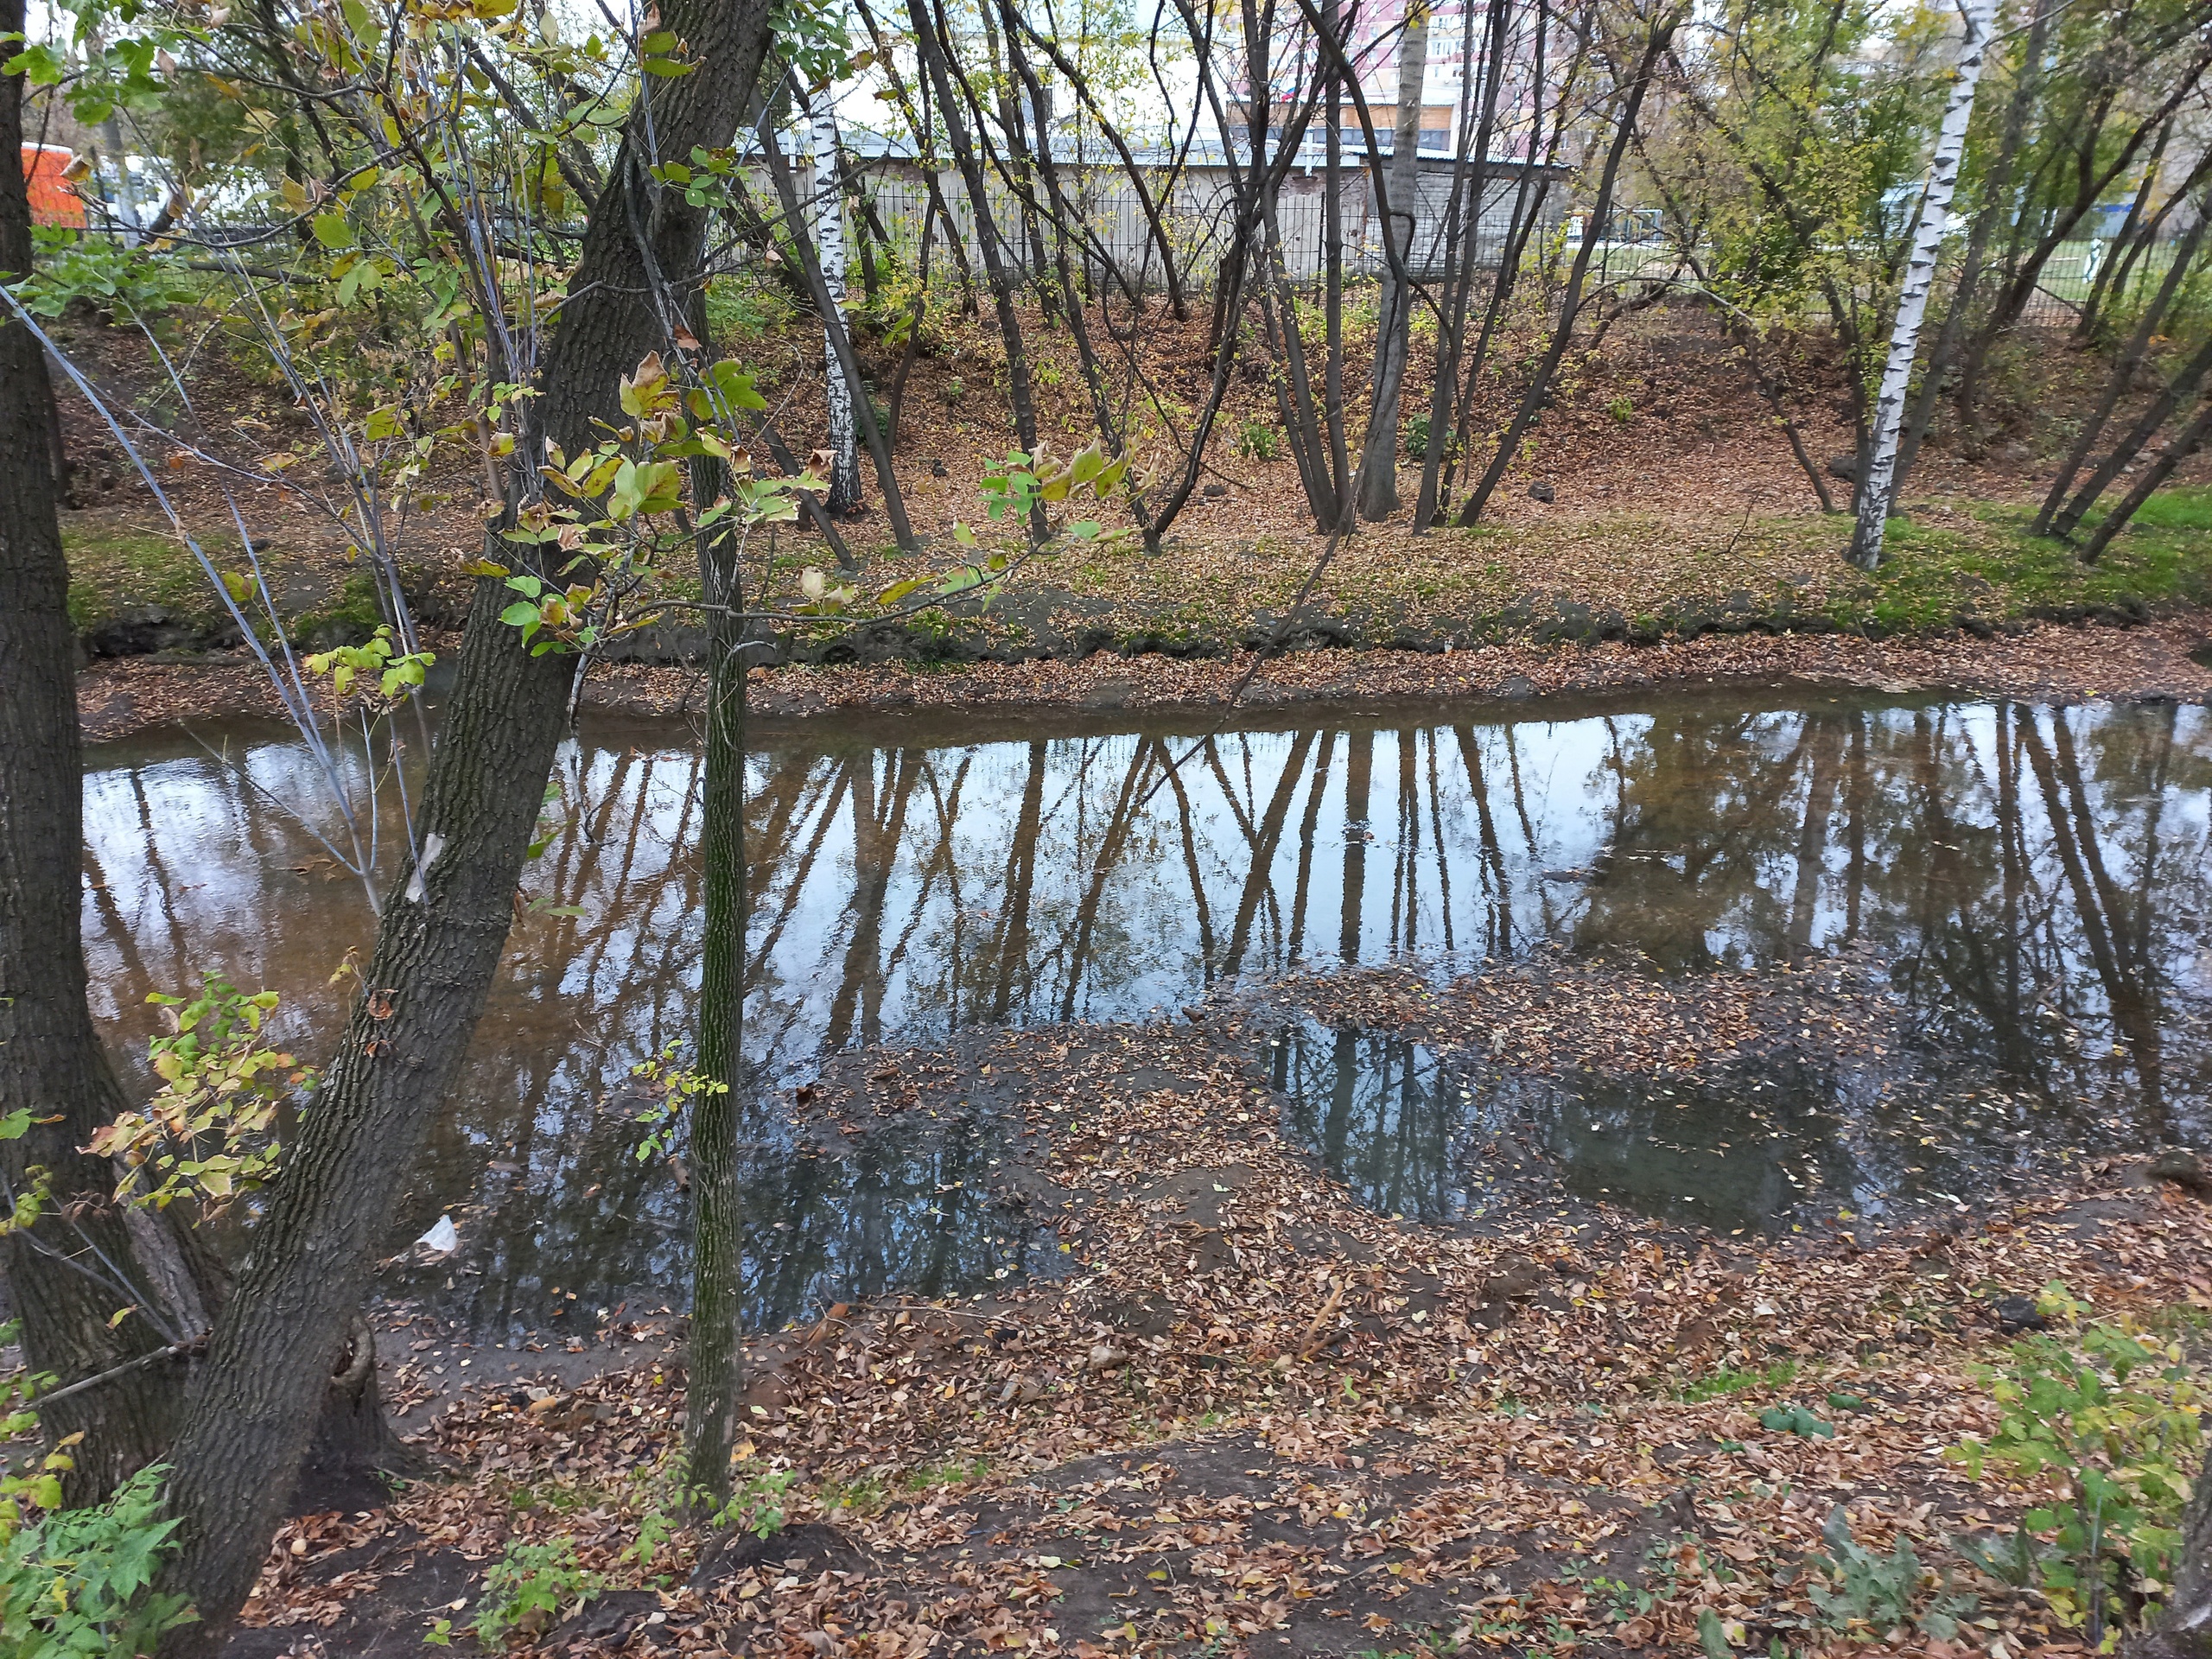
(2021, 895)
(1373, 1108)
(2028, 874)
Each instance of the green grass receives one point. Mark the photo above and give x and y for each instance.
(2177, 508)
(1987, 564)
(741, 309)
(352, 611)
(110, 572)
(1724, 1382)
(953, 1471)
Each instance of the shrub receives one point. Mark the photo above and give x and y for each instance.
(1255, 441)
(79, 1581)
(1855, 1586)
(527, 1590)
(2108, 1418)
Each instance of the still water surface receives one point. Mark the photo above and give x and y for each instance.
(2035, 883)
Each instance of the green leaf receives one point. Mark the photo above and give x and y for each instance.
(332, 231)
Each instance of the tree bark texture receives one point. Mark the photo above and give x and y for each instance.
(444, 927)
(69, 1275)
(714, 1394)
(1875, 489)
(1378, 465)
(2184, 1632)
(1663, 32)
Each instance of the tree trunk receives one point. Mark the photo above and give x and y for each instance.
(2132, 359)
(844, 367)
(829, 242)
(713, 1397)
(354, 1441)
(69, 1273)
(2169, 398)
(2188, 443)
(282, 1337)
(2112, 279)
(1378, 461)
(1663, 32)
(1333, 298)
(1995, 192)
(1875, 491)
(931, 50)
(2184, 1632)
(1470, 179)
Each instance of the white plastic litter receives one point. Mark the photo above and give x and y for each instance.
(443, 1239)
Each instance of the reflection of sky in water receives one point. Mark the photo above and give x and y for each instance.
(1744, 1146)
(2037, 879)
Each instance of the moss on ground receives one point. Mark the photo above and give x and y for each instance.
(113, 571)
(349, 617)
(1950, 563)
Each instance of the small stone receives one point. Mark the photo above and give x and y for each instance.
(1214, 492)
(1543, 491)
(2018, 1313)
(2183, 1169)
(1844, 467)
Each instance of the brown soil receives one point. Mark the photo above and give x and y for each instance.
(1260, 1419)
(2050, 663)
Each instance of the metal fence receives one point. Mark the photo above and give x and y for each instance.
(1196, 215)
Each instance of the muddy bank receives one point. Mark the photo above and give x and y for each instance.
(1257, 1416)
(2051, 661)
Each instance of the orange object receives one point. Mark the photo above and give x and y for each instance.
(54, 201)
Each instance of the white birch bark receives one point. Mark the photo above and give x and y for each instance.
(829, 228)
(1878, 486)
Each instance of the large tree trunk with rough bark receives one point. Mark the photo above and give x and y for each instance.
(714, 1396)
(72, 1272)
(2184, 1632)
(287, 1326)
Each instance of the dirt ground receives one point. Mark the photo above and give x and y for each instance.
(1677, 512)
(2050, 663)
(1257, 1417)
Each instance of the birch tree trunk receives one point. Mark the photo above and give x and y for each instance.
(1876, 489)
(829, 217)
(1378, 463)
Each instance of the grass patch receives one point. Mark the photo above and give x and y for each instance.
(350, 617)
(113, 571)
(1724, 1382)
(953, 1471)
(1984, 562)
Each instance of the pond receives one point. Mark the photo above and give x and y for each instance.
(2032, 882)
